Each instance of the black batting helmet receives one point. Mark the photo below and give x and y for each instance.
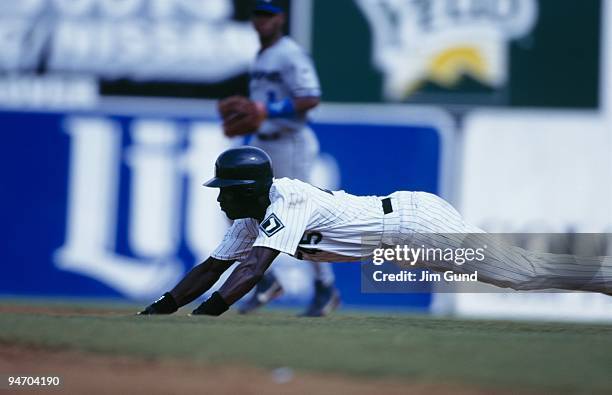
(242, 166)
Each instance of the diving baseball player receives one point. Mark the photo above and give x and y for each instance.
(283, 87)
(273, 216)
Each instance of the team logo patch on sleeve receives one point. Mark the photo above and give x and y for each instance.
(271, 225)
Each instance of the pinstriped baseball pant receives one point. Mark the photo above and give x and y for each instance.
(426, 220)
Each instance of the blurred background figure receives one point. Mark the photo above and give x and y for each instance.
(284, 79)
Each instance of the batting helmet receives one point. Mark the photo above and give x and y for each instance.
(242, 166)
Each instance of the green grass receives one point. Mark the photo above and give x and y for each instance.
(547, 357)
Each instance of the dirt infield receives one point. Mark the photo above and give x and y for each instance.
(61, 310)
(85, 373)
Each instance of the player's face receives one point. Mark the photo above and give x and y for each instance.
(235, 203)
(268, 25)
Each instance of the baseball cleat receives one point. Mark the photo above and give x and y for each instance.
(326, 300)
(266, 291)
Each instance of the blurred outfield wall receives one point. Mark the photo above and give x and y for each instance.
(540, 170)
(528, 171)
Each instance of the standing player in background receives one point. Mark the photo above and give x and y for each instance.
(283, 87)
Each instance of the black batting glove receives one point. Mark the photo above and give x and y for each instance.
(215, 305)
(164, 305)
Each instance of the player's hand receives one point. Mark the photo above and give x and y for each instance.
(241, 116)
(164, 305)
(214, 306)
(149, 310)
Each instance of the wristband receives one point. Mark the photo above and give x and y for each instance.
(281, 109)
(215, 305)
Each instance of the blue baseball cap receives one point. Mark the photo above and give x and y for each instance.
(269, 6)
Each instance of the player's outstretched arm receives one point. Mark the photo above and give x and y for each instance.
(242, 279)
(194, 284)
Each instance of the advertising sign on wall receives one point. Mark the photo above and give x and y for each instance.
(110, 203)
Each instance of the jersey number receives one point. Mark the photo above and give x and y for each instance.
(312, 238)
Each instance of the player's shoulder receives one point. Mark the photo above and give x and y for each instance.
(240, 225)
(289, 190)
(290, 48)
(289, 44)
(285, 185)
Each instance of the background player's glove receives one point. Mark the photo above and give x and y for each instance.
(240, 115)
(164, 305)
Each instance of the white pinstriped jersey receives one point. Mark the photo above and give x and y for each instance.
(308, 223)
(280, 72)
